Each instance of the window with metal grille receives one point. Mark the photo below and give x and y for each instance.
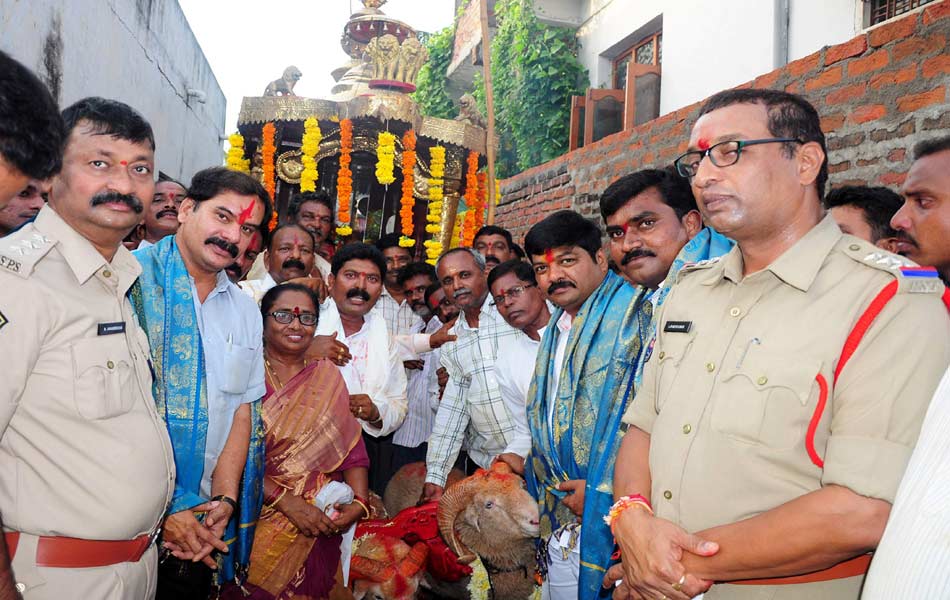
(647, 51)
(882, 10)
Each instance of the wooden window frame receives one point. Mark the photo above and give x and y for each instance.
(615, 63)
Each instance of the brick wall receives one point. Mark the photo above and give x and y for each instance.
(878, 94)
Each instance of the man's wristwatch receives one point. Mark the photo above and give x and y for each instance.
(226, 500)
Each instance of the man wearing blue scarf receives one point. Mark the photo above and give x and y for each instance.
(581, 384)
(206, 338)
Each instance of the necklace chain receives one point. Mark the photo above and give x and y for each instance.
(273, 373)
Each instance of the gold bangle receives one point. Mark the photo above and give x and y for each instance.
(273, 503)
(365, 510)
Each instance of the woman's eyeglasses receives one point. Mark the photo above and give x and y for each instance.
(285, 317)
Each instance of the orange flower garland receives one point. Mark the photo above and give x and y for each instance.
(482, 200)
(471, 200)
(344, 180)
(407, 202)
(268, 152)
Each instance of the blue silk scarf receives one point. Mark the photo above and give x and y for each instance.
(582, 439)
(163, 302)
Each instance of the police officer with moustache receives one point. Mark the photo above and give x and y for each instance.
(86, 467)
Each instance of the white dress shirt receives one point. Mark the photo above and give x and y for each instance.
(420, 417)
(515, 370)
(232, 339)
(913, 558)
(256, 288)
(375, 369)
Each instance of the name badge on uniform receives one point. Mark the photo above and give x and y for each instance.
(677, 326)
(111, 328)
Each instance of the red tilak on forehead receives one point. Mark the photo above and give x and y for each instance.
(703, 144)
(124, 163)
(625, 227)
(549, 256)
(246, 213)
(297, 310)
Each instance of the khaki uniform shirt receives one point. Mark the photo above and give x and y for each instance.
(728, 402)
(83, 452)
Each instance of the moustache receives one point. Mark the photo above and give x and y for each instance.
(228, 247)
(109, 197)
(460, 292)
(634, 254)
(358, 293)
(491, 259)
(557, 285)
(168, 211)
(293, 263)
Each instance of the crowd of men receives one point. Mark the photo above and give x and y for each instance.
(743, 393)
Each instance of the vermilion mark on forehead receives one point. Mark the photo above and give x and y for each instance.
(703, 144)
(297, 310)
(124, 163)
(625, 228)
(549, 256)
(246, 213)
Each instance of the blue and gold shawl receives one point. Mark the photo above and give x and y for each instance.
(582, 439)
(163, 302)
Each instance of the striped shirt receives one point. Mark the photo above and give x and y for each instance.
(400, 320)
(913, 558)
(472, 406)
(420, 418)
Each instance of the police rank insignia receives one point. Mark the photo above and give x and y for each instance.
(922, 279)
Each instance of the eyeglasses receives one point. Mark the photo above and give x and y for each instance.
(512, 293)
(723, 154)
(285, 317)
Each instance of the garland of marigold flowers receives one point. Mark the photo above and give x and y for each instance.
(344, 179)
(436, 194)
(471, 200)
(268, 152)
(310, 146)
(236, 160)
(385, 158)
(408, 201)
(482, 200)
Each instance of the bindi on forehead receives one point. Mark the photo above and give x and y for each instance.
(124, 163)
(549, 256)
(245, 213)
(703, 144)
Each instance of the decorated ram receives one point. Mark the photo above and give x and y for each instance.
(386, 568)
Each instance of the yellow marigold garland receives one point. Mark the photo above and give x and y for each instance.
(408, 201)
(385, 158)
(479, 585)
(310, 146)
(471, 200)
(344, 180)
(236, 160)
(436, 195)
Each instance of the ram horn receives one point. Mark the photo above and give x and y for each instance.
(373, 570)
(453, 501)
(415, 561)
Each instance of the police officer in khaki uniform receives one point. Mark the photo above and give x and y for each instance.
(769, 448)
(86, 468)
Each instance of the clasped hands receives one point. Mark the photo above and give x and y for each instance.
(187, 538)
(312, 522)
(652, 551)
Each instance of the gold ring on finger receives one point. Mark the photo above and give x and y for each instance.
(678, 586)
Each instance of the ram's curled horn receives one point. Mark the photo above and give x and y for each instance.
(453, 501)
(373, 570)
(415, 561)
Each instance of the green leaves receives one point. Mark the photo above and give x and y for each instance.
(430, 91)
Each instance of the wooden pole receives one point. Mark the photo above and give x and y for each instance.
(490, 107)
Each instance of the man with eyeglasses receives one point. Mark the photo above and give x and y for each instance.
(582, 381)
(787, 384)
(515, 293)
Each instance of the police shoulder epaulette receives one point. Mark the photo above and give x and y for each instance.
(20, 251)
(911, 278)
(697, 266)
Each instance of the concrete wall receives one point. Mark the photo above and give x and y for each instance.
(141, 52)
(735, 38)
(878, 94)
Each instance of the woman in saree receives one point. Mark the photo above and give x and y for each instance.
(311, 440)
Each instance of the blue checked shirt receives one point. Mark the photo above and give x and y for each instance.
(472, 406)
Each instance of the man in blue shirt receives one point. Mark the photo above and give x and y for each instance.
(206, 340)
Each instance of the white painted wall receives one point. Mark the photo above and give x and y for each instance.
(141, 52)
(708, 45)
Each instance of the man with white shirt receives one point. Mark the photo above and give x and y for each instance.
(472, 408)
(161, 219)
(515, 293)
(393, 305)
(314, 212)
(582, 382)
(290, 255)
(409, 441)
(375, 376)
